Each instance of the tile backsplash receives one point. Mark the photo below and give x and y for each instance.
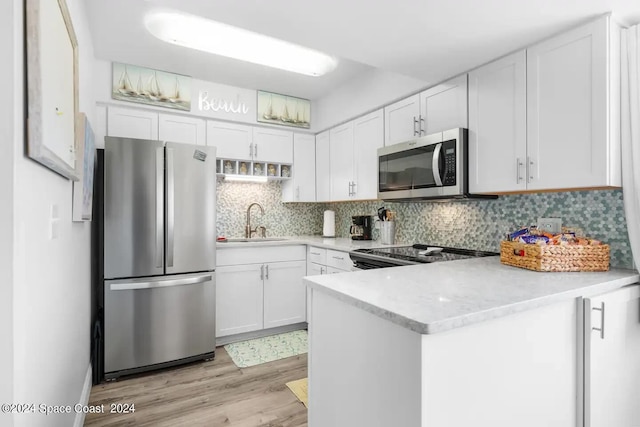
(468, 224)
(280, 219)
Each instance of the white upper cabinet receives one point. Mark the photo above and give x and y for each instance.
(232, 141)
(341, 154)
(444, 106)
(549, 121)
(132, 123)
(368, 136)
(497, 126)
(187, 130)
(402, 120)
(323, 167)
(272, 145)
(302, 188)
(572, 101)
(436, 109)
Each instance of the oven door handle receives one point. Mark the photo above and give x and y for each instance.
(435, 165)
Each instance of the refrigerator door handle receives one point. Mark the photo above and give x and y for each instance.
(159, 204)
(159, 284)
(170, 207)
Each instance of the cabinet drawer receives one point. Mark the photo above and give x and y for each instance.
(254, 255)
(338, 259)
(333, 270)
(317, 255)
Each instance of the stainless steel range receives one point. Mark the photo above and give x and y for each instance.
(367, 259)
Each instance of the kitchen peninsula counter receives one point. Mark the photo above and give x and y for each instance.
(437, 297)
(461, 343)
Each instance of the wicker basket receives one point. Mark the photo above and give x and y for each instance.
(555, 257)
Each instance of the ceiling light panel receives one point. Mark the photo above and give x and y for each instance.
(221, 39)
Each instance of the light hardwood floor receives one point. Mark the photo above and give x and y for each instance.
(214, 393)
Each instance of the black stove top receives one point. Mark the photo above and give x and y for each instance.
(415, 254)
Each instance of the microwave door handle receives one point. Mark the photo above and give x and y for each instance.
(435, 165)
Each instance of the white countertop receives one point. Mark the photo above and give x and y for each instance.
(437, 297)
(338, 243)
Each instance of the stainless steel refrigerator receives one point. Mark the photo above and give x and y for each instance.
(159, 254)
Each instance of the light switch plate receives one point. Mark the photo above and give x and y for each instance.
(552, 225)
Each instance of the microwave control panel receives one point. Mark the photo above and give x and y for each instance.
(449, 154)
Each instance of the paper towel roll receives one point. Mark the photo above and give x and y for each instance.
(329, 225)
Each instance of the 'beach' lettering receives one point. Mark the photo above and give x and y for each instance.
(215, 104)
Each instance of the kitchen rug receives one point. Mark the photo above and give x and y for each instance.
(267, 349)
(300, 389)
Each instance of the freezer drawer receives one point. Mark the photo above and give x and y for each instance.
(156, 320)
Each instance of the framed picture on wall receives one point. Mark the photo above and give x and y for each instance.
(83, 189)
(152, 87)
(52, 86)
(283, 110)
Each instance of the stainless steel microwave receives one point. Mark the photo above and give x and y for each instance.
(430, 167)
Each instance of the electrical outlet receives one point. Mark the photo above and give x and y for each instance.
(54, 222)
(552, 225)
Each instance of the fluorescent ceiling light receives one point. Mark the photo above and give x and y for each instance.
(222, 39)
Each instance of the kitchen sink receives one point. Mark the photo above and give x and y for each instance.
(256, 239)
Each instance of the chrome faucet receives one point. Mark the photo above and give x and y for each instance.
(248, 231)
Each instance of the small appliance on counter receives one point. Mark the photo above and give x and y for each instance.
(329, 224)
(360, 228)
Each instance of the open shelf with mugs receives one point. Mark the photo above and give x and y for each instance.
(252, 170)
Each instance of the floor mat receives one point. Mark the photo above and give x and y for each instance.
(267, 349)
(300, 389)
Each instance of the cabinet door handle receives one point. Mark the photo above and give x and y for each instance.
(519, 165)
(322, 270)
(422, 130)
(529, 169)
(415, 122)
(349, 188)
(314, 253)
(255, 150)
(262, 272)
(353, 188)
(267, 274)
(251, 150)
(337, 257)
(601, 328)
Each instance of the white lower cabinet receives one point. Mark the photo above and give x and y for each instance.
(612, 352)
(519, 370)
(284, 294)
(259, 288)
(239, 299)
(314, 269)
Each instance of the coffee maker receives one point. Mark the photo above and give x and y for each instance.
(361, 227)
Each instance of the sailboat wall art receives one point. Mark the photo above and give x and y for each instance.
(152, 87)
(283, 110)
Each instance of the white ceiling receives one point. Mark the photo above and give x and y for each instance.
(426, 39)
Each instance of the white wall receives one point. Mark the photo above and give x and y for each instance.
(361, 94)
(51, 277)
(9, 130)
